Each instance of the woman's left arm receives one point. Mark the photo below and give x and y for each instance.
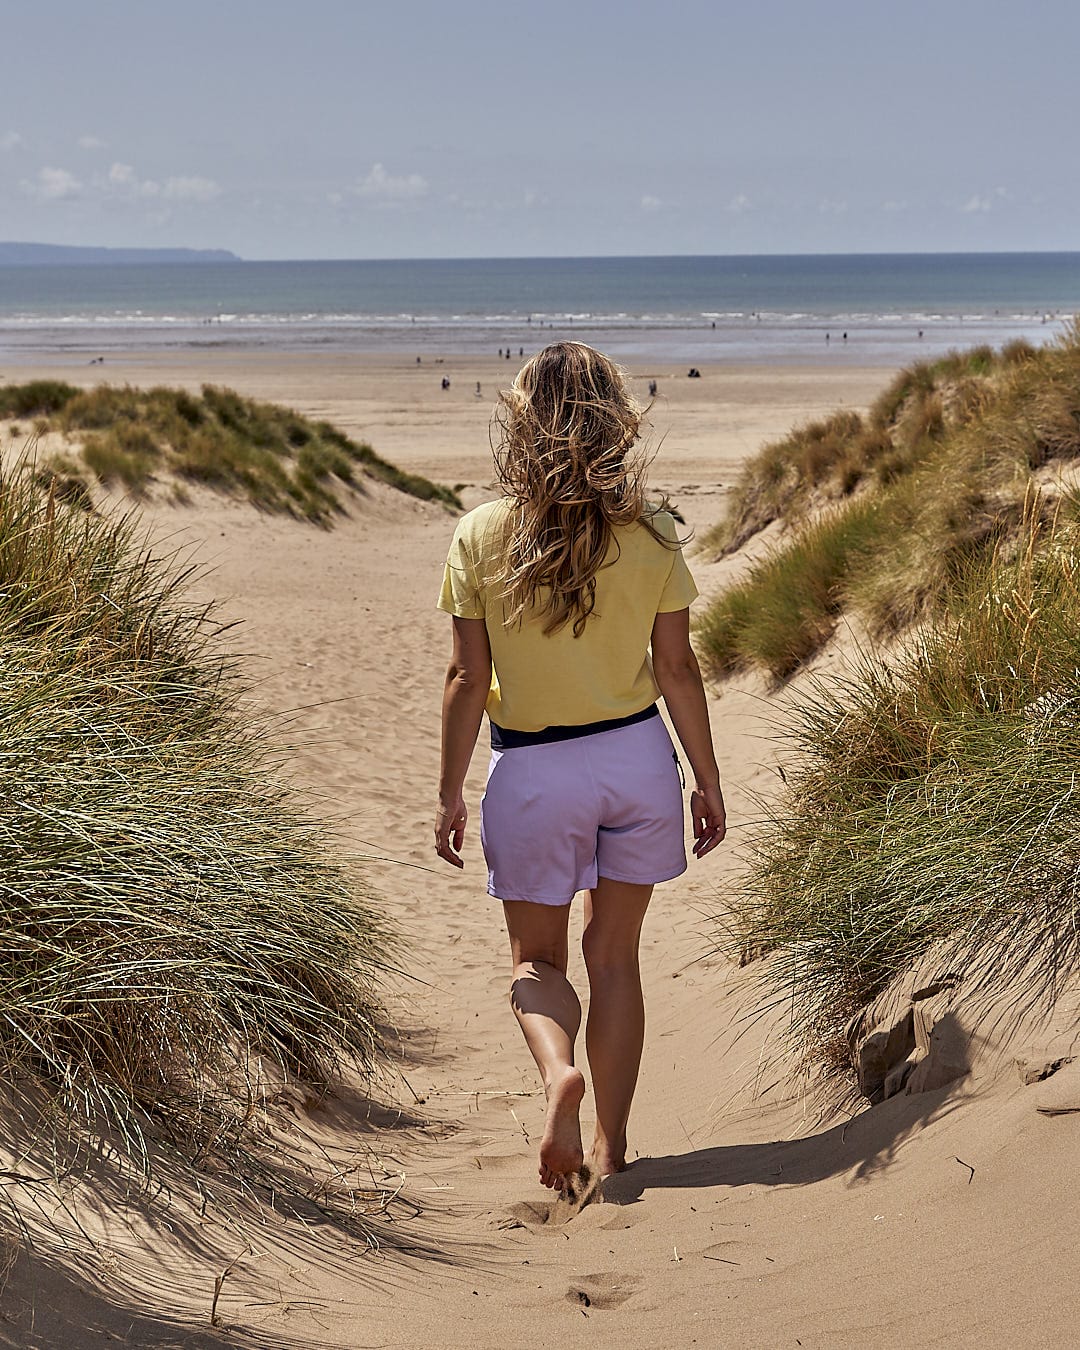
(468, 680)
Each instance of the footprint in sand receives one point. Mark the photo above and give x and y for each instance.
(605, 1290)
(540, 1215)
(531, 1214)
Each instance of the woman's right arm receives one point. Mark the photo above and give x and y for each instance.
(468, 680)
(678, 677)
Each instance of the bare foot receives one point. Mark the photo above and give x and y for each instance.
(605, 1162)
(560, 1149)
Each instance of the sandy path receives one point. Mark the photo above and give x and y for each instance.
(346, 622)
(720, 1235)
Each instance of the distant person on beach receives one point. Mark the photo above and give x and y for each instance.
(558, 591)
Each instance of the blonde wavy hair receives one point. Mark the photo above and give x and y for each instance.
(566, 459)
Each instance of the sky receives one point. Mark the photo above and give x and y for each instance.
(374, 129)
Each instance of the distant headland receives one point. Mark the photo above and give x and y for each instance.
(39, 255)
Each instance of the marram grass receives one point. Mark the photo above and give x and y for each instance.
(174, 924)
(272, 456)
(882, 516)
(936, 805)
(788, 606)
(825, 460)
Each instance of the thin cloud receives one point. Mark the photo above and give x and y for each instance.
(10, 140)
(52, 185)
(124, 181)
(651, 203)
(391, 189)
(981, 202)
(90, 143)
(740, 203)
(193, 189)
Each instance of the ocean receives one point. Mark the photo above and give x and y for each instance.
(864, 309)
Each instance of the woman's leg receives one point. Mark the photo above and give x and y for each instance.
(549, 1014)
(615, 1033)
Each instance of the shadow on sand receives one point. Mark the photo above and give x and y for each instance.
(92, 1253)
(861, 1146)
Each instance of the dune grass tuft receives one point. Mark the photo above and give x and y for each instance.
(175, 922)
(786, 609)
(936, 480)
(813, 463)
(267, 453)
(36, 398)
(828, 459)
(936, 800)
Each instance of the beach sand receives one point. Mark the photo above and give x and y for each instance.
(399, 406)
(740, 1222)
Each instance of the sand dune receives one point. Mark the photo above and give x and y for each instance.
(945, 1217)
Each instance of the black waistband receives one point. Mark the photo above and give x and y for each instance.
(505, 738)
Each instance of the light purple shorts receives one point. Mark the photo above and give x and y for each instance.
(557, 816)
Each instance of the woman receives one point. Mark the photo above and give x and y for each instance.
(557, 591)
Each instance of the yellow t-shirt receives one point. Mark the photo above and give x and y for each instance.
(555, 679)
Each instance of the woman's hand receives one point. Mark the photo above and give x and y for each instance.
(709, 817)
(450, 821)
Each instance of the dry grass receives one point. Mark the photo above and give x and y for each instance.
(811, 465)
(828, 459)
(787, 608)
(935, 804)
(175, 921)
(272, 456)
(36, 398)
(935, 482)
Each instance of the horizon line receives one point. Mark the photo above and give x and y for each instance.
(663, 257)
(547, 257)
